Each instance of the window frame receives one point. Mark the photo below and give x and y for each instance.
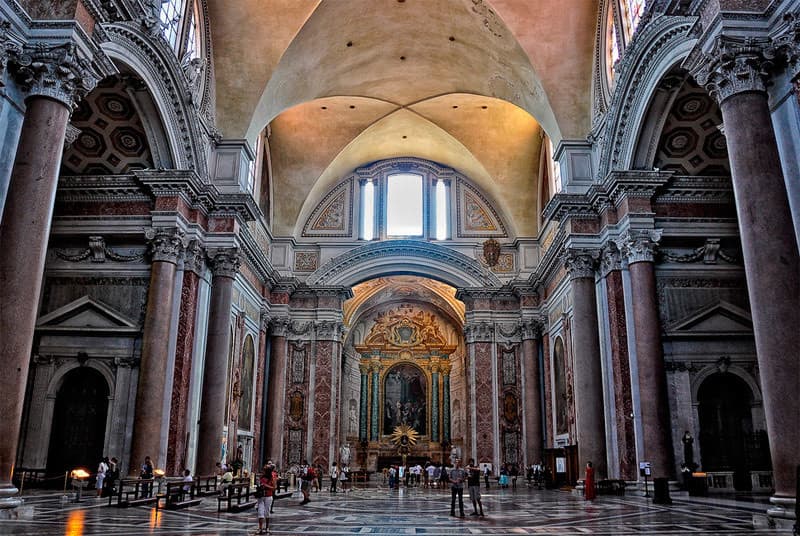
(429, 206)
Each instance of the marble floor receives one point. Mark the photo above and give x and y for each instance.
(377, 510)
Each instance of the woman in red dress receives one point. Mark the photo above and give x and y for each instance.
(588, 489)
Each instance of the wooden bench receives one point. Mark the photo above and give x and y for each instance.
(611, 487)
(133, 492)
(237, 498)
(205, 485)
(175, 497)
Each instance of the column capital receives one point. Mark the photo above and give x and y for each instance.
(264, 318)
(279, 326)
(580, 262)
(733, 65)
(363, 368)
(225, 262)
(329, 330)
(194, 259)
(59, 71)
(610, 258)
(375, 366)
(445, 367)
(787, 43)
(532, 328)
(479, 332)
(639, 245)
(166, 244)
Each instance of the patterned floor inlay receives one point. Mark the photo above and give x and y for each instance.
(379, 511)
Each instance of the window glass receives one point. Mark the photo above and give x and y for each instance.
(441, 210)
(170, 16)
(404, 205)
(368, 210)
(193, 37)
(612, 52)
(633, 11)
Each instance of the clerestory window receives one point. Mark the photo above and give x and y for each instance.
(401, 204)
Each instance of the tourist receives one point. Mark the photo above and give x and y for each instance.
(588, 484)
(514, 473)
(101, 475)
(474, 487)
(456, 475)
(306, 476)
(318, 470)
(112, 475)
(225, 481)
(344, 476)
(430, 475)
(503, 480)
(264, 495)
(187, 482)
(334, 477)
(486, 474)
(146, 473)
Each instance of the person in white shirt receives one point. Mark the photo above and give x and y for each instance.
(101, 475)
(187, 481)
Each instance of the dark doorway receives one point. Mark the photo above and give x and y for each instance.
(726, 427)
(79, 422)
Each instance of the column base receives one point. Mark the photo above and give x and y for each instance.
(781, 515)
(8, 502)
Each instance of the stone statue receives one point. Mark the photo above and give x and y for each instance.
(353, 421)
(344, 453)
(455, 453)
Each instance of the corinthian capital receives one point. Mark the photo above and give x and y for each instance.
(329, 330)
(224, 262)
(166, 245)
(532, 328)
(734, 65)
(580, 262)
(787, 42)
(195, 258)
(639, 245)
(55, 71)
(610, 259)
(279, 326)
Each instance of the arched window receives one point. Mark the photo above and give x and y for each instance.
(180, 21)
(405, 204)
(612, 45)
(632, 11)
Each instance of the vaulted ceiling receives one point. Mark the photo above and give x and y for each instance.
(471, 84)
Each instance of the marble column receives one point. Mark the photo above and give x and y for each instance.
(166, 246)
(177, 447)
(276, 396)
(611, 270)
(532, 397)
(328, 348)
(735, 73)
(364, 402)
(639, 249)
(55, 79)
(375, 425)
(446, 409)
(224, 266)
(261, 366)
(587, 371)
(435, 410)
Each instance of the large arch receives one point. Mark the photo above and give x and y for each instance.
(155, 63)
(403, 257)
(655, 50)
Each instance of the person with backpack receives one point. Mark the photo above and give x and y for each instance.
(264, 497)
(344, 476)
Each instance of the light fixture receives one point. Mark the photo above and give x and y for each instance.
(159, 473)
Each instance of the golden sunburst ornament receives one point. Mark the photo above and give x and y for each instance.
(404, 436)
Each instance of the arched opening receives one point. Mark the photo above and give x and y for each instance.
(727, 439)
(79, 421)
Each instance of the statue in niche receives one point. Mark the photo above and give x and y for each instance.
(352, 419)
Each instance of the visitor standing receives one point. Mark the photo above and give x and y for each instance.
(264, 494)
(588, 483)
(334, 477)
(102, 468)
(486, 474)
(146, 473)
(344, 476)
(306, 476)
(456, 475)
(474, 487)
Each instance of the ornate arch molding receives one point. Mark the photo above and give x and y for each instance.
(655, 50)
(60, 373)
(152, 60)
(739, 372)
(403, 257)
